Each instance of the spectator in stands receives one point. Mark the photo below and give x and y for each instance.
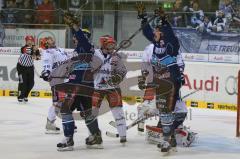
(1, 4)
(45, 12)
(19, 3)
(2, 32)
(197, 15)
(220, 22)
(188, 9)
(206, 26)
(27, 13)
(177, 19)
(227, 8)
(10, 12)
(38, 2)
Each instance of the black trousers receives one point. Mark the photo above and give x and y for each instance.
(26, 80)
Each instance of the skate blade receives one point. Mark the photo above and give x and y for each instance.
(123, 144)
(70, 148)
(169, 152)
(98, 146)
(141, 133)
(52, 132)
(164, 153)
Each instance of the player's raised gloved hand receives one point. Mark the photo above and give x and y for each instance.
(45, 75)
(70, 19)
(141, 9)
(115, 79)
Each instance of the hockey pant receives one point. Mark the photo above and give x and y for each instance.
(77, 93)
(114, 99)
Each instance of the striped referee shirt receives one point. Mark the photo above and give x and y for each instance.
(25, 58)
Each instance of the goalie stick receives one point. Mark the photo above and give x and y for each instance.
(113, 124)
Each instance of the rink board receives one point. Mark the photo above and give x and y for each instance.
(217, 82)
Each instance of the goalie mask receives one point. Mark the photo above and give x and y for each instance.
(107, 42)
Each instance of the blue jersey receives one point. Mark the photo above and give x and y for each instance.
(81, 70)
(85, 48)
(169, 38)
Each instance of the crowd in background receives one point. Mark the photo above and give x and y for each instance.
(194, 16)
(28, 11)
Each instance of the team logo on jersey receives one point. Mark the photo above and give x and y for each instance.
(103, 83)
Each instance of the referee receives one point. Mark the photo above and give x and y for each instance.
(25, 68)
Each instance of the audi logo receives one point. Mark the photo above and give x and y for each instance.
(231, 85)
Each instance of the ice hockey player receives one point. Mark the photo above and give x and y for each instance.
(162, 72)
(78, 89)
(109, 71)
(52, 57)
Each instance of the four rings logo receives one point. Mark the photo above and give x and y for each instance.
(231, 85)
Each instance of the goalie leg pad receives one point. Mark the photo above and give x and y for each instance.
(178, 119)
(167, 122)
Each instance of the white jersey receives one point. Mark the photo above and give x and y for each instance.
(53, 57)
(103, 74)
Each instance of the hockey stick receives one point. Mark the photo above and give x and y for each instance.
(236, 19)
(126, 43)
(112, 123)
(80, 8)
(189, 94)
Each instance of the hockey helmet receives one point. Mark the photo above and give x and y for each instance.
(29, 38)
(43, 43)
(87, 33)
(107, 42)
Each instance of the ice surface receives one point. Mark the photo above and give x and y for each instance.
(22, 136)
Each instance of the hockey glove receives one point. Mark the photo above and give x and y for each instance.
(141, 82)
(70, 19)
(45, 75)
(141, 9)
(115, 80)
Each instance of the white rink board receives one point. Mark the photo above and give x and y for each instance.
(218, 80)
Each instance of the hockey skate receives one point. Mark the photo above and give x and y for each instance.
(140, 128)
(164, 147)
(20, 100)
(51, 128)
(25, 100)
(94, 141)
(123, 140)
(66, 144)
(173, 143)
